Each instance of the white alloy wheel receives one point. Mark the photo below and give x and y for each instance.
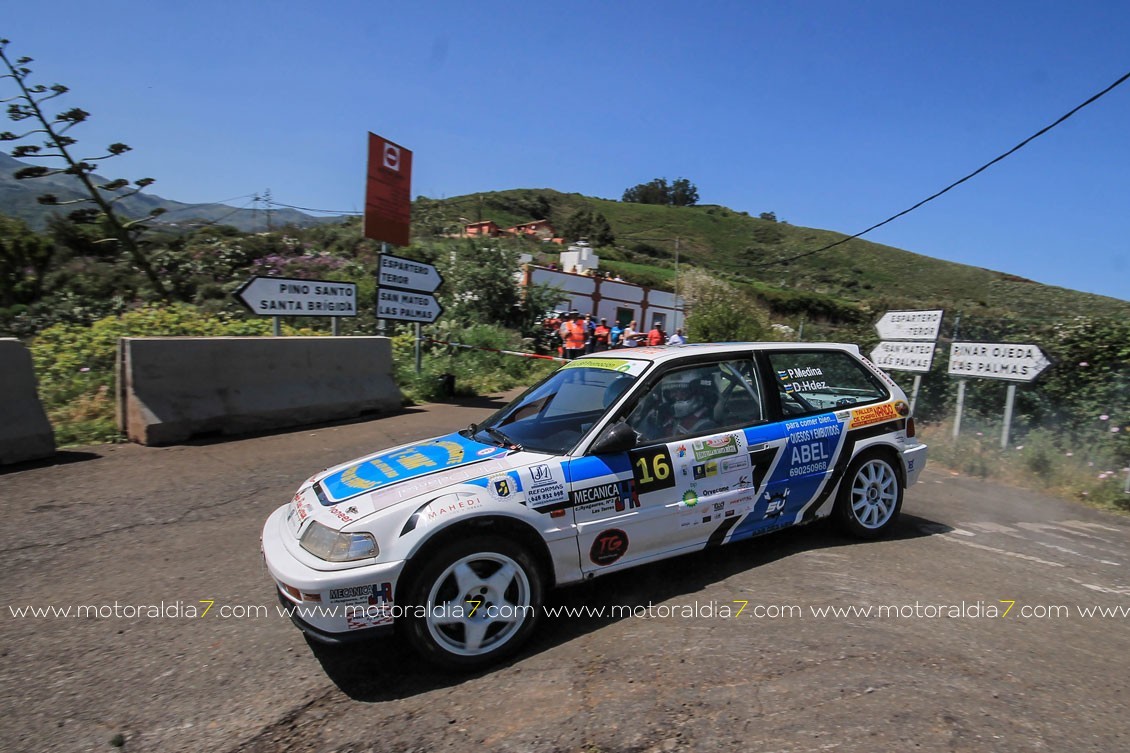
(870, 496)
(474, 602)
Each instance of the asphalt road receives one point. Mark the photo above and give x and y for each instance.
(138, 527)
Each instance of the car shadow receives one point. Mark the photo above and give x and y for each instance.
(388, 669)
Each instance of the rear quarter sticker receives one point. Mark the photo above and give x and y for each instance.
(874, 414)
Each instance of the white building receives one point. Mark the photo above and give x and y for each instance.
(615, 301)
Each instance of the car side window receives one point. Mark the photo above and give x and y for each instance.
(821, 380)
(698, 400)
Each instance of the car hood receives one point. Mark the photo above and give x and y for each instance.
(351, 491)
(401, 465)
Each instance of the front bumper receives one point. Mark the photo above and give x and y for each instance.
(330, 606)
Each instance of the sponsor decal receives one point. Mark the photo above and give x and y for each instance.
(547, 485)
(405, 463)
(501, 487)
(716, 491)
(873, 414)
(340, 515)
(714, 447)
(624, 366)
(373, 593)
(706, 469)
(902, 408)
(681, 451)
(729, 465)
(690, 498)
(608, 546)
(594, 510)
(352, 510)
(629, 500)
(433, 511)
(776, 503)
(608, 491)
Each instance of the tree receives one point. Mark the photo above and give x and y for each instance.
(593, 227)
(25, 258)
(681, 193)
(28, 105)
(718, 312)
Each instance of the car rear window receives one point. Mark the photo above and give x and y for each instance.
(821, 380)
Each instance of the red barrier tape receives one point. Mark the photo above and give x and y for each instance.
(496, 350)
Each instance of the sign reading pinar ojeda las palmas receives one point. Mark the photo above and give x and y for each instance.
(280, 296)
(1009, 361)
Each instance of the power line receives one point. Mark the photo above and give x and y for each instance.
(955, 184)
(308, 209)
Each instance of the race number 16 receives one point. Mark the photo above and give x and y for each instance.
(652, 470)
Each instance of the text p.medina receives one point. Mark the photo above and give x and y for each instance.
(279, 296)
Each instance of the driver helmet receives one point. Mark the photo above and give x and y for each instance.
(684, 394)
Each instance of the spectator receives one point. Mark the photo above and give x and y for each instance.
(632, 335)
(573, 333)
(600, 336)
(655, 336)
(677, 338)
(615, 335)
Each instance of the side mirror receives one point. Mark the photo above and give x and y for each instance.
(619, 437)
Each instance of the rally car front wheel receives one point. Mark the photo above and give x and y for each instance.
(480, 597)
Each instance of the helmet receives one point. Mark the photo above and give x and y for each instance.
(683, 393)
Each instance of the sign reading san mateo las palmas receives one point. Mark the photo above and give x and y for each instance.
(388, 192)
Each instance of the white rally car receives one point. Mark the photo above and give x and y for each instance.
(614, 460)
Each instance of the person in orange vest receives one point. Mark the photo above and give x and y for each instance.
(656, 336)
(600, 336)
(574, 334)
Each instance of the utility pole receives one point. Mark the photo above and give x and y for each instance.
(267, 199)
(676, 327)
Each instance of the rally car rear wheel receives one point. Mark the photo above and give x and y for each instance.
(481, 599)
(870, 496)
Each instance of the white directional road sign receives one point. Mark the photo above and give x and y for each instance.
(407, 306)
(406, 274)
(909, 325)
(903, 356)
(1008, 361)
(280, 296)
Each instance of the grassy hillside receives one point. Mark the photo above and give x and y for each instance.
(858, 275)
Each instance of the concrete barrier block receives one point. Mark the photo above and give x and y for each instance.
(25, 433)
(173, 388)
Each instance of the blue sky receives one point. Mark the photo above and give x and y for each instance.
(833, 115)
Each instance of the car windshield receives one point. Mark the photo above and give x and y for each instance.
(553, 415)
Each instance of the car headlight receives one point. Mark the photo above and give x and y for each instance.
(337, 546)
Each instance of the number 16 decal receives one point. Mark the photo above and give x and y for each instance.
(652, 469)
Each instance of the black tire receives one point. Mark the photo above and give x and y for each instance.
(482, 597)
(870, 496)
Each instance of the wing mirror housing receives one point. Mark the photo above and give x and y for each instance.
(619, 437)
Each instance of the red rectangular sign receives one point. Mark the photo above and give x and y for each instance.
(388, 192)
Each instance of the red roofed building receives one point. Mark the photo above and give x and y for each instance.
(486, 228)
(538, 228)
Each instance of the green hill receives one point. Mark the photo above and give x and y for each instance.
(850, 282)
